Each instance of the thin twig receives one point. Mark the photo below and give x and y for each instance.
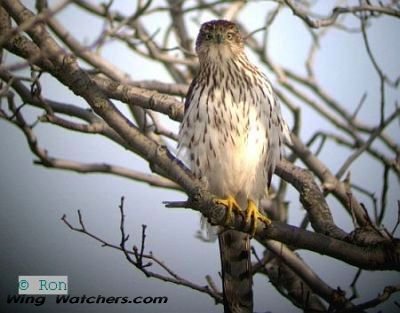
(136, 257)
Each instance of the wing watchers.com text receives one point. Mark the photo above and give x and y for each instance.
(68, 299)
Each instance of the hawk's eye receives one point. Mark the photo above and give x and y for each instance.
(208, 36)
(229, 36)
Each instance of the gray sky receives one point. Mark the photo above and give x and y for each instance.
(33, 199)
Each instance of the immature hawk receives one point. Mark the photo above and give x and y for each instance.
(233, 134)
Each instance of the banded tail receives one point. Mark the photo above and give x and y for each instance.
(236, 271)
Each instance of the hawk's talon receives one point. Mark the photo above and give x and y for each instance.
(231, 206)
(252, 214)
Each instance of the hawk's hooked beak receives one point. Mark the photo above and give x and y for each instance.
(219, 38)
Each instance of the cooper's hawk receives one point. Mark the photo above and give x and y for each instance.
(233, 134)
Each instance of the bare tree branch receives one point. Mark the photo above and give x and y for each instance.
(137, 257)
(304, 15)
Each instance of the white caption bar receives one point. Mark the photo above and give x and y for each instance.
(42, 285)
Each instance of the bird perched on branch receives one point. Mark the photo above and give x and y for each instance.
(233, 134)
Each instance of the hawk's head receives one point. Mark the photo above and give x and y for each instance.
(219, 37)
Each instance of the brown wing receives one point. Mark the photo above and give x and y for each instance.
(189, 95)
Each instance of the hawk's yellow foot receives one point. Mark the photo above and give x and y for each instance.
(231, 206)
(252, 214)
